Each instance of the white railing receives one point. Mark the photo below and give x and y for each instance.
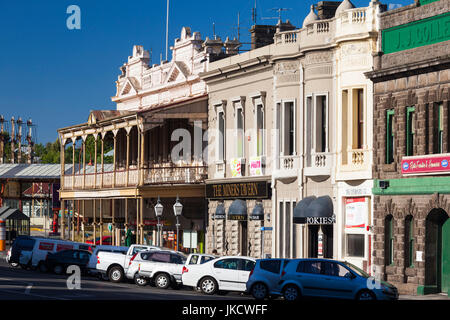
(319, 164)
(358, 157)
(289, 162)
(185, 174)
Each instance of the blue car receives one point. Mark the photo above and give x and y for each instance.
(333, 279)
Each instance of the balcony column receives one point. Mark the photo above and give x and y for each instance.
(127, 164)
(126, 215)
(62, 159)
(84, 162)
(141, 209)
(138, 225)
(95, 160)
(113, 238)
(74, 139)
(115, 158)
(82, 222)
(94, 208)
(101, 221)
(102, 160)
(72, 220)
(141, 160)
(63, 209)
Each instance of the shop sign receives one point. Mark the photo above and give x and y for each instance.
(256, 217)
(416, 34)
(256, 166)
(235, 166)
(238, 217)
(356, 210)
(218, 216)
(426, 164)
(242, 190)
(321, 220)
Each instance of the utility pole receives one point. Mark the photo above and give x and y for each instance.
(167, 30)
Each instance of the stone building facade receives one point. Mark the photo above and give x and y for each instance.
(411, 138)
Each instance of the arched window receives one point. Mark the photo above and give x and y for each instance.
(409, 241)
(388, 240)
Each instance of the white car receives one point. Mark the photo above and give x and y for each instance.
(229, 273)
(199, 258)
(163, 267)
(92, 264)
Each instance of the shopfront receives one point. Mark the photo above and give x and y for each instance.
(317, 216)
(239, 212)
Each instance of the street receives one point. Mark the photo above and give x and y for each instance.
(20, 284)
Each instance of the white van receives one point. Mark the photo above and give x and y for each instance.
(35, 258)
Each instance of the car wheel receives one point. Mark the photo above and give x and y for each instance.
(162, 281)
(140, 281)
(291, 293)
(115, 274)
(259, 291)
(42, 267)
(208, 285)
(58, 269)
(365, 295)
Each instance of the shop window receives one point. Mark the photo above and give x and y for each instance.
(240, 133)
(409, 241)
(410, 126)
(355, 245)
(389, 136)
(388, 240)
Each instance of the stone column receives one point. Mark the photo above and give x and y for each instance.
(94, 223)
(127, 164)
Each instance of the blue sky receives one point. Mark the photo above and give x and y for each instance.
(56, 76)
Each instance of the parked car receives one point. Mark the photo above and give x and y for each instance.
(92, 264)
(162, 267)
(59, 261)
(30, 252)
(106, 240)
(332, 279)
(114, 264)
(8, 259)
(229, 273)
(264, 278)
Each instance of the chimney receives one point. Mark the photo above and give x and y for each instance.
(284, 26)
(213, 46)
(231, 46)
(327, 9)
(262, 35)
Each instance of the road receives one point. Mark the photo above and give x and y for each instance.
(19, 284)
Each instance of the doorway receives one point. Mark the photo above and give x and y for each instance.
(437, 255)
(243, 236)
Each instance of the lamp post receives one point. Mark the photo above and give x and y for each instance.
(158, 212)
(177, 209)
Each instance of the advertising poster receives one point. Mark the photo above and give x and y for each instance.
(255, 166)
(355, 212)
(235, 166)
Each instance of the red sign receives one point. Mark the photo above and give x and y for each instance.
(46, 246)
(60, 247)
(432, 164)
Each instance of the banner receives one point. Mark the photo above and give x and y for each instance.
(256, 166)
(235, 166)
(356, 211)
(426, 164)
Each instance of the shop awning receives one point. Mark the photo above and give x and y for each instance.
(237, 210)
(258, 212)
(312, 210)
(7, 213)
(220, 212)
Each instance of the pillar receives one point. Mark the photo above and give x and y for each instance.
(84, 163)
(127, 164)
(101, 159)
(94, 224)
(101, 221)
(83, 225)
(141, 209)
(114, 160)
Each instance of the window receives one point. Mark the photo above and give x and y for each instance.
(206, 259)
(439, 128)
(194, 259)
(259, 130)
(137, 249)
(388, 240)
(309, 130)
(313, 267)
(321, 124)
(231, 264)
(289, 132)
(410, 125)
(160, 257)
(240, 133)
(279, 128)
(221, 133)
(389, 136)
(246, 265)
(177, 259)
(26, 244)
(360, 117)
(409, 241)
(334, 269)
(271, 265)
(355, 245)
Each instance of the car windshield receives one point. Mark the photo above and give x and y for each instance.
(357, 270)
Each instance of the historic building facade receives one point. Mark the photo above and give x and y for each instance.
(411, 138)
(157, 133)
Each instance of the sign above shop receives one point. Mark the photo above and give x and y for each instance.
(437, 164)
(243, 190)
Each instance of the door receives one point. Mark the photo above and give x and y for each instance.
(226, 273)
(446, 257)
(338, 283)
(245, 267)
(309, 276)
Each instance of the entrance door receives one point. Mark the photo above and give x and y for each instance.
(313, 238)
(243, 236)
(436, 251)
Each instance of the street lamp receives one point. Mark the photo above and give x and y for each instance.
(158, 212)
(177, 209)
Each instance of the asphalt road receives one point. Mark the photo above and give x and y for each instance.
(20, 284)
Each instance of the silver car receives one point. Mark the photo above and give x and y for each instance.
(163, 267)
(264, 278)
